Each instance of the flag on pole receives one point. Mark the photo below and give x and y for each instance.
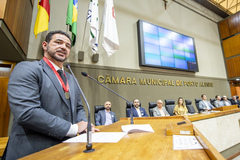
(72, 14)
(110, 35)
(43, 16)
(94, 25)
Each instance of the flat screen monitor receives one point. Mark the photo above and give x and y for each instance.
(163, 48)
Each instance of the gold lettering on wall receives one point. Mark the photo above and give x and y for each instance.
(155, 82)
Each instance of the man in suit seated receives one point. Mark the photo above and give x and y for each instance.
(226, 102)
(137, 110)
(205, 105)
(106, 117)
(218, 102)
(235, 101)
(159, 110)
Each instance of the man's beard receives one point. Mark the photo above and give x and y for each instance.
(53, 55)
(107, 108)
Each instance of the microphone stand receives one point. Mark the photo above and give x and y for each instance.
(89, 128)
(86, 75)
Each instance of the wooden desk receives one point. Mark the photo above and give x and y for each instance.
(132, 146)
(201, 116)
(3, 143)
(226, 108)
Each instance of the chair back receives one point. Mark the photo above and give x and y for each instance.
(96, 109)
(212, 101)
(128, 106)
(190, 106)
(197, 103)
(151, 105)
(230, 99)
(170, 105)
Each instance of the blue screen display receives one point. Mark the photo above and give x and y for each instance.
(160, 47)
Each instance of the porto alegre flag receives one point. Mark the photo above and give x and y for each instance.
(43, 16)
(94, 25)
(72, 18)
(110, 35)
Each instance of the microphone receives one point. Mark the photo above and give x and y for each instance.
(86, 75)
(89, 128)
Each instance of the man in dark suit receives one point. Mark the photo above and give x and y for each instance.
(137, 110)
(235, 101)
(46, 106)
(106, 117)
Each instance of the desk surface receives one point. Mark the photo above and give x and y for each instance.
(132, 146)
(197, 117)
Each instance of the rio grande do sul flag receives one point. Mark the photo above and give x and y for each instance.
(93, 20)
(43, 16)
(110, 35)
(72, 14)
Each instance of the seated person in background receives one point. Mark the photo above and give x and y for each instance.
(226, 102)
(218, 102)
(205, 105)
(137, 110)
(159, 110)
(235, 101)
(105, 117)
(180, 108)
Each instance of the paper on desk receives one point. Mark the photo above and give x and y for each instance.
(185, 142)
(98, 137)
(137, 128)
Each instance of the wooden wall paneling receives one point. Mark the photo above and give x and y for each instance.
(224, 29)
(18, 18)
(233, 67)
(238, 26)
(227, 49)
(235, 45)
(2, 8)
(5, 70)
(231, 46)
(233, 89)
(237, 91)
(5, 110)
(233, 22)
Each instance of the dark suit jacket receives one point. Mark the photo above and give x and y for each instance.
(235, 103)
(101, 118)
(42, 115)
(135, 114)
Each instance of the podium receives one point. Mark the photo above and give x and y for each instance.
(145, 145)
(179, 128)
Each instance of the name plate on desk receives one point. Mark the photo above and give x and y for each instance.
(179, 128)
(185, 132)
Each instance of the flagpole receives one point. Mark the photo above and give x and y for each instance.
(85, 27)
(67, 29)
(100, 29)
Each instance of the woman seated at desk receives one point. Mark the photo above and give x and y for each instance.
(180, 108)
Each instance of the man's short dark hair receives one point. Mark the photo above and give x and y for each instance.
(51, 33)
(203, 95)
(136, 99)
(216, 96)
